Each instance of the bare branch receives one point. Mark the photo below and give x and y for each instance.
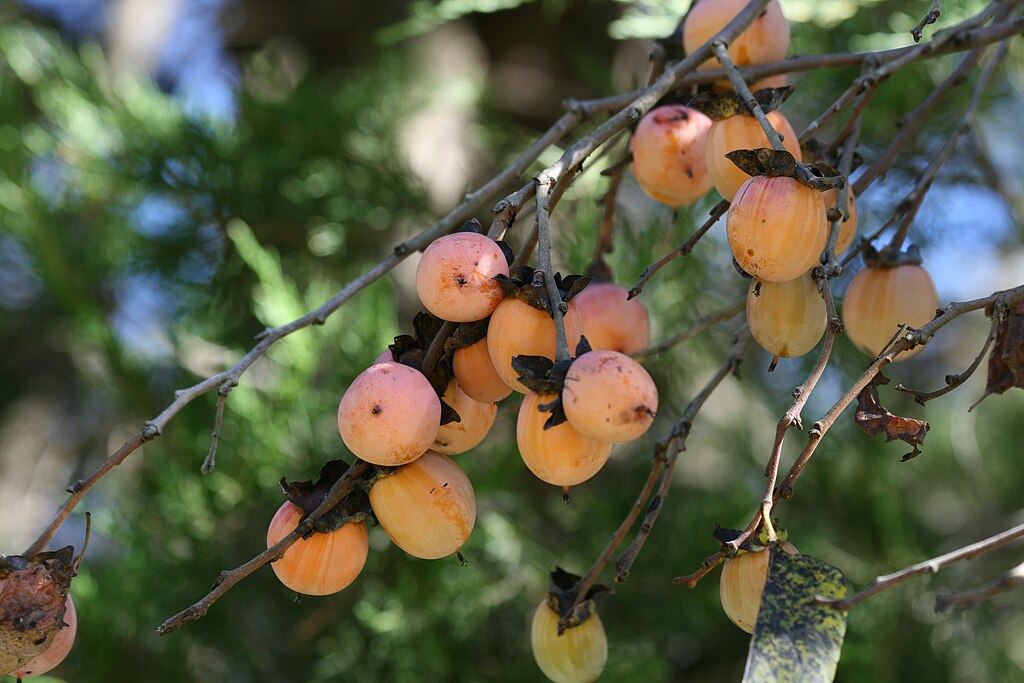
(967, 599)
(705, 323)
(210, 461)
(928, 567)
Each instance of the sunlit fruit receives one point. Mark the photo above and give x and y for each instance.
(765, 40)
(742, 585)
(609, 397)
(576, 656)
(389, 415)
(476, 420)
(427, 507)
(786, 318)
(454, 278)
(59, 647)
(476, 375)
(519, 329)
(776, 228)
(848, 228)
(322, 564)
(611, 320)
(879, 301)
(559, 455)
(668, 154)
(742, 132)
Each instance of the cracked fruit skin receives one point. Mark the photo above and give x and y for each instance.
(389, 415)
(669, 158)
(455, 277)
(776, 228)
(476, 375)
(519, 329)
(765, 40)
(742, 584)
(880, 300)
(59, 647)
(613, 321)
(476, 420)
(560, 455)
(322, 564)
(743, 132)
(609, 397)
(427, 507)
(576, 656)
(787, 318)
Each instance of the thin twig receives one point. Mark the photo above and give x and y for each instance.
(603, 245)
(556, 306)
(683, 249)
(672, 445)
(210, 461)
(967, 599)
(954, 381)
(705, 323)
(910, 204)
(228, 579)
(709, 563)
(928, 567)
(930, 18)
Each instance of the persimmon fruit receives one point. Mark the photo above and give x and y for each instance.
(427, 507)
(742, 132)
(560, 455)
(519, 329)
(455, 276)
(475, 422)
(322, 564)
(59, 646)
(389, 415)
(609, 397)
(786, 318)
(577, 656)
(669, 159)
(880, 300)
(612, 320)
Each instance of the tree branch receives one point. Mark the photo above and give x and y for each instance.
(967, 599)
(928, 567)
(930, 18)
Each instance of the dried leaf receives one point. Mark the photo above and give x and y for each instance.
(764, 161)
(563, 591)
(1006, 361)
(873, 418)
(307, 496)
(797, 640)
(725, 106)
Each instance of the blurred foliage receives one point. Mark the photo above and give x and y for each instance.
(142, 247)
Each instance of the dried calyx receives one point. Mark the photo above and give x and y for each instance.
(562, 594)
(725, 106)
(308, 495)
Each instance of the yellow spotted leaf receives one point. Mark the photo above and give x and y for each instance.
(797, 640)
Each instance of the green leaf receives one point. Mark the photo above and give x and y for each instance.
(796, 639)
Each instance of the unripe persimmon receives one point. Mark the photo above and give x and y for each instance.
(475, 421)
(58, 649)
(559, 455)
(389, 415)
(880, 300)
(786, 318)
(576, 656)
(427, 507)
(742, 585)
(668, 154)
(742, 132)
(322, 564)
(609, 397)
(848, 228)
(476, 375)
(613, 321)
(455, 276)
(776, 228)
(519, 329)
(765, 40)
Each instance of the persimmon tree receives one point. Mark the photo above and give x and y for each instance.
(801, 252)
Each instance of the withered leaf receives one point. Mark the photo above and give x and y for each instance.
(873, 418)
(307, 496)
(1006, 361)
